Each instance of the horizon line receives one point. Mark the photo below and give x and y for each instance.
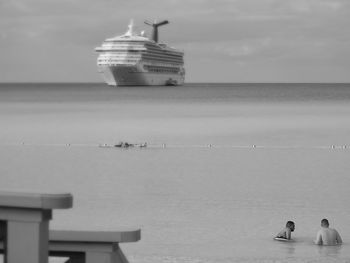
(214, 82)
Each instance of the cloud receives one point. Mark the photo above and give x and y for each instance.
(314, 6)
(237, 49)
(17, 6)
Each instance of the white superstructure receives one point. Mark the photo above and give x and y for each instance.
(133, 59)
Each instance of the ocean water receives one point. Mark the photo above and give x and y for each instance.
(226, 165)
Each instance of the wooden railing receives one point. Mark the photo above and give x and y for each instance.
(25, 235)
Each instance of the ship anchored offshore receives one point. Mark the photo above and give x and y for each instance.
(134, 60)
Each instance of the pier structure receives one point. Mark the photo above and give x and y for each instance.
(25, 235)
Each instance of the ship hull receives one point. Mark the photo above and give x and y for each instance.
(123, 75)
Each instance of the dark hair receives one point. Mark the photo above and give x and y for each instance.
(290, 224)
(324, 222)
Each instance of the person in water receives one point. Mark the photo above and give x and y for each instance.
(286, 232)
(124, 145)
(327, 236)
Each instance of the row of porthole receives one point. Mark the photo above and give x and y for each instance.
(163, 70)
(113, 61)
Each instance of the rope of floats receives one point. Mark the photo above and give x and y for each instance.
(125, 145)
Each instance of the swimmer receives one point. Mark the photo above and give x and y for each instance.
(286, 232)
(120, 144)
(327, 236)
(123, 145)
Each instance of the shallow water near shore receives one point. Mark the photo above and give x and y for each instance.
(226, 167)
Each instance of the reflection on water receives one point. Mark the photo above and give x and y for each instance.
(290, 249)
(329, 251)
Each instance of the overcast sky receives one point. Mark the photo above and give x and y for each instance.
(223, 40)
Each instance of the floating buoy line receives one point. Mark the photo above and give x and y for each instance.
(126, 145)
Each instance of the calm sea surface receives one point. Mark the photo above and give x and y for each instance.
(227, 165)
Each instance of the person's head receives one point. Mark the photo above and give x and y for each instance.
(290, 225)
(324, 223)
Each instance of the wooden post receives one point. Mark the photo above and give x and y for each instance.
(26, 217)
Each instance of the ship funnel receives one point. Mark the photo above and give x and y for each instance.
(155, 26)
(130, 31)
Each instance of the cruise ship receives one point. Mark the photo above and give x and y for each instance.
(133, 59)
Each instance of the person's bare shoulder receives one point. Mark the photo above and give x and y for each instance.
(321, 231)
